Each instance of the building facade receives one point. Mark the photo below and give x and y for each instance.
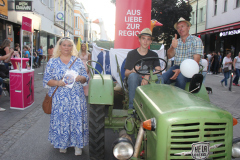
(79, 21)
(46, 30)
(222, 31)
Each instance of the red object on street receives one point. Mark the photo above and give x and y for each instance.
(132, 16)
(15, 62)
(21, 88)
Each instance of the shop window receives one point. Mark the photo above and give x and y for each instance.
(215, 7)
(193, 15)
(76, 22)
(237, 3)
(201, 14)
(225, 5)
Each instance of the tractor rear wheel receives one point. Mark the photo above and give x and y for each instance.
(96, 131)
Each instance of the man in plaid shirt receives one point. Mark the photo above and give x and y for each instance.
(186, 47)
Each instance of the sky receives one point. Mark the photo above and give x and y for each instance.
(101, 9)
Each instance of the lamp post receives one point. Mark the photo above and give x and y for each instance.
(196, 16)
(64, 15)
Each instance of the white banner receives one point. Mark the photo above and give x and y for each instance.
(101, 56)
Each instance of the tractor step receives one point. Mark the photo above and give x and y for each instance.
(119, 113)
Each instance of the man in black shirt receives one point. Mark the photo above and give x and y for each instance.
(134, 79)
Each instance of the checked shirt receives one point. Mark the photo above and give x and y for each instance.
(193, 45)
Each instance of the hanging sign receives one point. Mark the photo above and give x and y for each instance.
(23, 6)
(26, 24)
(59, 16)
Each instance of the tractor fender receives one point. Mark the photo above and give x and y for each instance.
(101, 90)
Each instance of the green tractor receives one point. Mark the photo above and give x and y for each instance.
(168, 123)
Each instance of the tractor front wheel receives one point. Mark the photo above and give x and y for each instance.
(96, 131)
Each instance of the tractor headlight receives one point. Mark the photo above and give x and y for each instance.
(123, 148)
(236, 148)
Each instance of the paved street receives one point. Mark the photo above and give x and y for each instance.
(23, 133)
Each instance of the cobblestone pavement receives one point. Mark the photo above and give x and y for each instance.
(16, 123)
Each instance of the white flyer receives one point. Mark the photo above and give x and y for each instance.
(69, 78)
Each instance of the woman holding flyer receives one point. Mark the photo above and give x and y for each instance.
(68, 122)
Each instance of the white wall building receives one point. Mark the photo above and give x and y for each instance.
(200, 19)
(222, 31)
(79, 21)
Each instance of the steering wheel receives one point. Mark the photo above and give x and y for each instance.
(150, 67)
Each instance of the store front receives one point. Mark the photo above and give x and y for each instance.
(222, 39)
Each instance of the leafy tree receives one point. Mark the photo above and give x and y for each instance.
(168, 12)
(113, 1)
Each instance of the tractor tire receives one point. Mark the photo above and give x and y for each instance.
(96, 131)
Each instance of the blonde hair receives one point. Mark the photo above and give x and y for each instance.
(57, 52)
(80, 52)
(6, 43)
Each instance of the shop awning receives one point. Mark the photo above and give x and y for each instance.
(226, 27)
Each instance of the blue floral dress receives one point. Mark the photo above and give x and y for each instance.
(68, 122)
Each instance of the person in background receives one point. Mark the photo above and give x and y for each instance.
(4, 72)
(5, 50)
(68, 121)
(85, 56)
(40, 54)
(50, 51)
(18, 51)
(209, 62)
(1, 82)
(220, 62)
(227, 63)
(236, 65)
(205, 56)
(26, 52)
(205, 68)
(186, 47)
(215, 62)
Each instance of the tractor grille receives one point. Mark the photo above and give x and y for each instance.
(184, 134)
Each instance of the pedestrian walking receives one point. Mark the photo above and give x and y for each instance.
(85, 56)
(219, 62)
(209, 62)
(68, 121)
(40, 54)
(227, 67)
(215, 63)
(236, 65)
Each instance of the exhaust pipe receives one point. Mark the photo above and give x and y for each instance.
(138, 141)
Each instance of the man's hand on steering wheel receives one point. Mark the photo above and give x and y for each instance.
(137, 68)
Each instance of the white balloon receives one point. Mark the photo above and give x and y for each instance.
(189, 67)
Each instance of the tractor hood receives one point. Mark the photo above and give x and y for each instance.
(181, 120)
(165, 99)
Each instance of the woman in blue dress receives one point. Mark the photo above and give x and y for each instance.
(68, 122)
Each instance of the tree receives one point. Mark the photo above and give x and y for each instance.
(168, 12)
